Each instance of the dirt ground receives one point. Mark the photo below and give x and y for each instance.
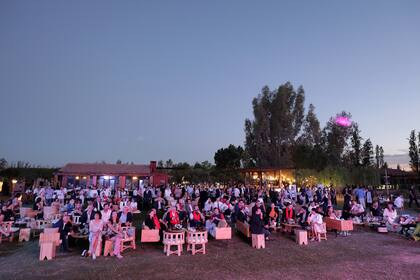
(363, 255)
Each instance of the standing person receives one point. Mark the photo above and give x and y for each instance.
(361, 196)
(399, 203)
(369, 197)
(333, 194)
(413, 197)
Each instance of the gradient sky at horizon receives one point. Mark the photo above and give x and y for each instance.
(86, 81)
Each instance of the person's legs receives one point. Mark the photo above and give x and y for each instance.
(64, 243)
(117, 245)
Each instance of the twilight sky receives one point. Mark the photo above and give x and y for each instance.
(85, 81)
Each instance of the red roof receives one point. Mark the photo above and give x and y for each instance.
(105, 169)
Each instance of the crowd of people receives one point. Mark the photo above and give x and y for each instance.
(104, 213)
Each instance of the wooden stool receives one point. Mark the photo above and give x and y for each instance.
(47, 251)
(301, 237)
(48, 243)
(173, 239)
(108, 248)
(382, 229)
(198, 238)
(129, 237)
(24, 234)
(150, 235)
(323, 233)
(258, 241)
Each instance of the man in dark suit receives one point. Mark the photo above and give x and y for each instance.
(87, 216)
(64, 228)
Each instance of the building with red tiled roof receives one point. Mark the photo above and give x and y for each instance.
(121, 175)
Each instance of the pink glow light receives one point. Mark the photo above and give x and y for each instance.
(343, 121)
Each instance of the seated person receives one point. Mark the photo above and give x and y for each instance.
(416, 233)
(389, 216)
(273, 216)
(302, 216)
(172, 218)
(125, 217)
(114, 233)
(208, 205)
(406, 222)
(70, 206)
(257, 224)
(331, 213)
(376, 210)
(56, 204)
(258, 205)
(7, 213)
(215, 220)
(39, 209)
(241, 214)
(95, 234)
(315, 221)
(288, 214)
(357, 210)
(87, 216)
(64, 228)
(3, 230)
(196, 218)
(153, 222)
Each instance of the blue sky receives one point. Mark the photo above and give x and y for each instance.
(85, 81)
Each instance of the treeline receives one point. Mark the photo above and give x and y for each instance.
(281, 134)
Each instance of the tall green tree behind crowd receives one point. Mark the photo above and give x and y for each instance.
(277, 123)
(367, 154)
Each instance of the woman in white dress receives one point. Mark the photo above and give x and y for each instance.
(316, 223)
(95, 234)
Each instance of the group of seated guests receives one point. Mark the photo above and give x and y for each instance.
(262, 221)
(108, 215)
(189, 216)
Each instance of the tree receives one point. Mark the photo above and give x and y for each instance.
(367, 153)
(3, 164)
(118, 162)
(398, 167)
(356, 144)
(278, 120)
(311, 134)
(229, 158)
(381, 157)
(335, 139)
(160, 164)
(377, 155)
(169, 163)
(413, 152)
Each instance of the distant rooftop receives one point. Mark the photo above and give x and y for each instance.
(105, 168)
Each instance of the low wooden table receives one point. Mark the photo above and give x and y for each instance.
(289, 228)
